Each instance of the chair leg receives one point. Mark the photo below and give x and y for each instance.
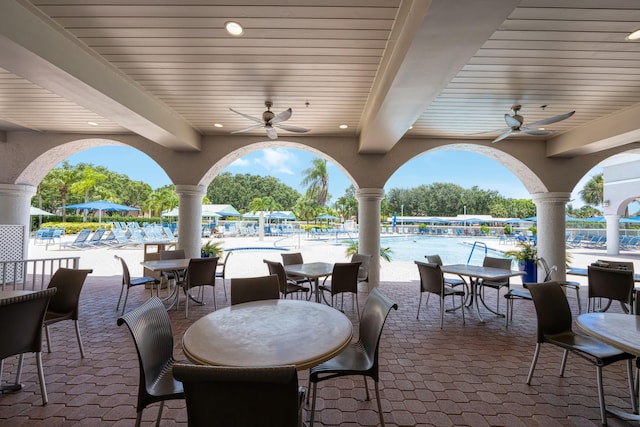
(313, 404)
(43, 386)
(138, 418)
(19, 369)
(419, 305)
(379, 403)
(160, 413)
(533, 363)
(632, 388)
(462, 308)
(603, 412)
(79, 338)
(564, 362)
(366, 388)
(120, 297)
(578, 299)
(124, 304)
(441, 312)
(46, 333)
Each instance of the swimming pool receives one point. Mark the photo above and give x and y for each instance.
(452, 250)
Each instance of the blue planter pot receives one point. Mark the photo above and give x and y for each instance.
(530, 271)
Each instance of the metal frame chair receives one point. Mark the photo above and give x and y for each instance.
(248, 289)
(241, 396)
(287, 286)
(22, 318)
(64, 303)
(610, 284)
(360, 358)
(128, 283)
(344, 279)
(432, 281)
(150, 329)
(554, 327)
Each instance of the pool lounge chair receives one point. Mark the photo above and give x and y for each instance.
(80, 240)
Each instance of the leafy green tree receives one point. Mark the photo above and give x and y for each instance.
(88, 178)
(241, 189)
(316, 180)
(593, 191)
(261, 205)
(160, 200)
(61, 179)
(352, 249)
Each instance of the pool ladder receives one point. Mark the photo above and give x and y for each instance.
(473, 248)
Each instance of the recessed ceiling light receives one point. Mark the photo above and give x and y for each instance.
(343, 126)
(233, 28)
(218, 125)
(92, 123)
(410, 127)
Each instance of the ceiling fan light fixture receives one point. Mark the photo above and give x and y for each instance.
(635, 35)
(233, 28)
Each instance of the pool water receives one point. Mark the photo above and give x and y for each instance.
(452, 250)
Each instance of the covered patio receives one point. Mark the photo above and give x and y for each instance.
(470, 375)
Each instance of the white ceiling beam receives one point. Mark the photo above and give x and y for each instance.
(597, 135)
(39, 51)
(431, 42)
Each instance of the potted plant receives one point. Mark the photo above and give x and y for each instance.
(527, 257)
(210, 249)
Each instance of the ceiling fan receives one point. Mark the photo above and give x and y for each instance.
(516, 124)
(270, 121)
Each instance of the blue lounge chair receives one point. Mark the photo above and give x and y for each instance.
(80, 240)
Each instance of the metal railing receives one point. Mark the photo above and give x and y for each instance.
(32, 274)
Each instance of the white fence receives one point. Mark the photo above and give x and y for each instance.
(32, 274)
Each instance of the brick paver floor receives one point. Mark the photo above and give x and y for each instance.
(471, 375)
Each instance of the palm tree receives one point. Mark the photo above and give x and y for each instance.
(258, 205)
(593, 191)
(316, 179)
(88, 179)
(352, 249)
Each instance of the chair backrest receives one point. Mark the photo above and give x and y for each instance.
(344, 277)
(21, 318)
(552, 309)
(616, 265)
(433, 259)
(126, 275)
(373, 318)
(174, 254)
(202, 271)
(68, 282)
(548, 271)
(610, 283)
(431, 278)
(224, 264)
(504, 263)
(240, 396)
(150, 328)
(363, 271)
(292, 258)
(247, 289)
(278, 269)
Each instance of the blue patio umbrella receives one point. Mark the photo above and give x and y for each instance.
(101, 205)
(326, 216)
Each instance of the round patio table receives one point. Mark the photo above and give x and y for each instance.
(268, 333)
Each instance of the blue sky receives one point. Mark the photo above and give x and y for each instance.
(459, 167)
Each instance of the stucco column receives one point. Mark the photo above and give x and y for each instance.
(190, 218)
(551, 230)
(369, 229)
(613, 234)
(15, 200)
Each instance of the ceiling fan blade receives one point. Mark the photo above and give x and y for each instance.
(550, 120)
(271, 132)
(255, 119)
(285, 115)
(252, 127)
(490, 131)
(530, 131)
(293, 128)
(503, 136)
(512, 121)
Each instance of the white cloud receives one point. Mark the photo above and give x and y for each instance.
(278, 160)
(240, 162)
